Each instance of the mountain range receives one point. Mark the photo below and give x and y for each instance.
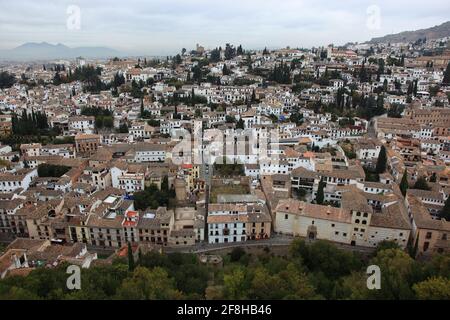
(436, 32)
(47, 51)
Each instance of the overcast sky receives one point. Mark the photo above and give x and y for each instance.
(165, 26)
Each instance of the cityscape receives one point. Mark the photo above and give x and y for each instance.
(226, 171)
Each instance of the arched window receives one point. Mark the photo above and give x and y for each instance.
(357, 221)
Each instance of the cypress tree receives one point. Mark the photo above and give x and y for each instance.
(130, 258)
(445, 212)
(446, 79)
(404, 183)
(320, 195)
(382, 161)
(142, 108)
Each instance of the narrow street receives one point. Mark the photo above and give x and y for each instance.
(274, 241)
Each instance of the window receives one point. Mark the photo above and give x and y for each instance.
(428, 236)
(286, 217)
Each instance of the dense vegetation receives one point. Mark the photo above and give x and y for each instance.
(103, 117)
(88, 75)
(7, 80)
(51, 170)
(152, 197)
(227, 168)
(315, 271)
(30, 124)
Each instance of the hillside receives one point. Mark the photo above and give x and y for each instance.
(435, 32)
(47, 51)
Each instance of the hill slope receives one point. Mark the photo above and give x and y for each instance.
(440, 31)
(47, 51)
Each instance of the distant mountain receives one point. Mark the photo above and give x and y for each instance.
(435, 32)
(47, 51)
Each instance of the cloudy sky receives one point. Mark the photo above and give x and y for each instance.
(165, 26)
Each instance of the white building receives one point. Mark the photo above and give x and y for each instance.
(10, 182)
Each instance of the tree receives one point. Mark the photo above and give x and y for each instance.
(320, 195)
(446, 79)
(433, 177)
(290, 283)
(240, 124)
(234, 284)
(118, 80)
(236, 254)
(396, 273)
(51, 170)
(142, 108)
(445, 212)
(148, 284)
(385, 85)
(130, 257)
(437, 288)
(352, 287)
(363, 76)
(230, 119)
(253, 98)
(230, 52)
(421, 184)
(198, 113)
(7, 80)
(381, 161)
(197, 74)
(404, 183)
(178, 60)
(239, 50)
(152, 198)
(215, 55)
(123, 128)
(281, 73)
(225, 70)
(385, 244)
(57, 79)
